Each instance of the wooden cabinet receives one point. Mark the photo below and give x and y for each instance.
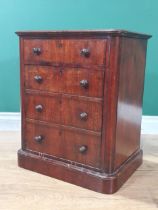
(81, 101)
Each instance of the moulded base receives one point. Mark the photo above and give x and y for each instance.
(96, 181)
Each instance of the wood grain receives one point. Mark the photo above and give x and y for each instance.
(63, 143)
(64, 51)
(65, 109)
(130, 96)
(84, 33)
(60, 78)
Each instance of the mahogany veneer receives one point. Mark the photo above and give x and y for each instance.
(81, 96)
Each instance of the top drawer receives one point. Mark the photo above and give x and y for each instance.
(58, 51)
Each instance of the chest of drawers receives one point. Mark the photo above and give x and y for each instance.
(81, 102)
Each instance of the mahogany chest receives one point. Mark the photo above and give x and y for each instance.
(81, 102)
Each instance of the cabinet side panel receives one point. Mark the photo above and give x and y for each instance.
(129, 110)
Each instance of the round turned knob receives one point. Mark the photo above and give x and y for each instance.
(36, 50)
(84, 83)
(85, 52)
(38, 138)
(83, 116)
(83, 149)
(39, 108)
(38, 78)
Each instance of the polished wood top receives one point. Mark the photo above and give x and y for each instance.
(98, 33)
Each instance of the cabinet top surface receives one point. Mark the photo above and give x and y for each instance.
(93, 33)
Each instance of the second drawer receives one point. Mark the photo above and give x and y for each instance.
(68, 110)
(77, 81)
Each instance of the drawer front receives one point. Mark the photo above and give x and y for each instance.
(82, 113)
(68, 80)
(70, 145)
(87, 52)
(65, 109)
(44, 108)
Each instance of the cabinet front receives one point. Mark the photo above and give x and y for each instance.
(63, 98)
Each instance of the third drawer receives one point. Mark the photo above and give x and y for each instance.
(64, 109)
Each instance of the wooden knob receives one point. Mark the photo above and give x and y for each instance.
(85, 52)
(36, 50)
(83, 116)
(84, 83)
(39, 108)
(38, 138)
(38, 78)
(83, 149)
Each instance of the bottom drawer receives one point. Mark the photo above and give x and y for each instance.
(75, 145)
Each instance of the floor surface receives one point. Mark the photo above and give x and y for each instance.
(25, 190)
